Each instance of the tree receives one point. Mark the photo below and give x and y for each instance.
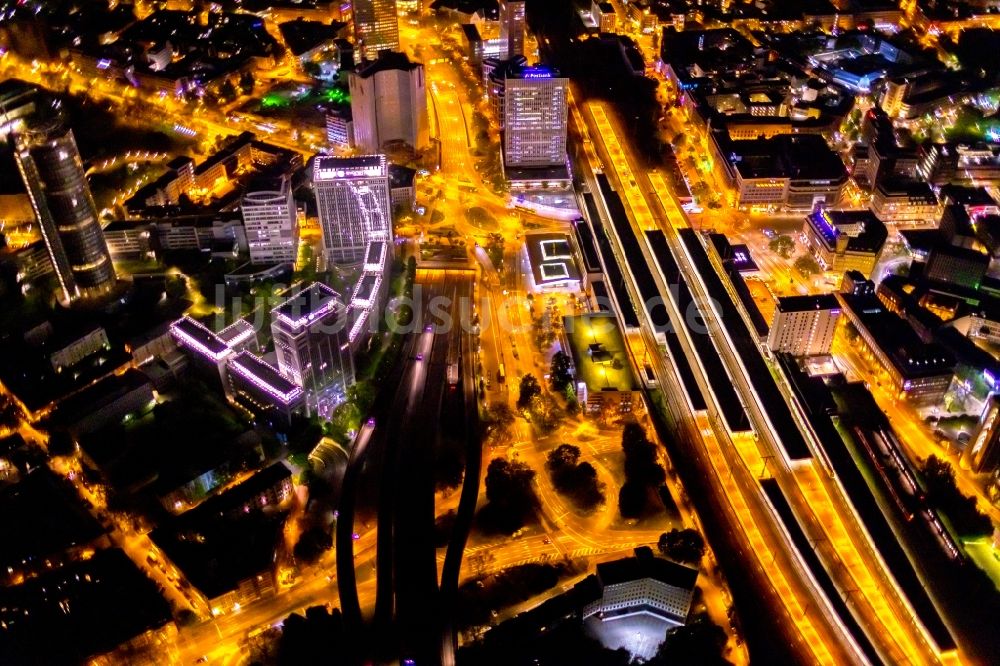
(227, 91)
(494, 250)
(640, 457)
(698, 643)
(572, 403)
(312, 544)
(807, 266)
(247, 83)
(499, 420)
(944, 495)
(529, 389)
(312, 69)
(559, 371)
(10, 414)
(633, 499)
(304, 640)
(642, 472)
(782, 245)
(478, 216)
(61, 443)
(510, 494)
(686, 546)
(544, 412)
(564, 456)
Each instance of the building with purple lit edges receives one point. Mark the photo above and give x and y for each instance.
(311, 341)
(209, 350)
(260, 387)
(245, 377)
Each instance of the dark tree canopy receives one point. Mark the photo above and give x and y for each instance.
(312, 544)
(698, 643)
(633, 499)
(576, 480)
(686, 546)
(529, 388)
(944, 495)
(642, 472)
(559, 371)
(511, 496)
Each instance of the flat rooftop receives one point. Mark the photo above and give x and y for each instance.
(327, 167)
(386, 61)
(865, 232)
(794, 156)
(553, 172)
(99, 395)
(598, 350)
(912, 357)
(366, 287)
(375, 254)
(636, 568)
(264, 376)
(308, 304)
(551, 258)
(195, 334)
(807, 303)
(237, 332)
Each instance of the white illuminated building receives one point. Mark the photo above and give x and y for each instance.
(388, 103)
(535, 118)
(804, 325)
(354, 204)
(269, 219)
(640, 599)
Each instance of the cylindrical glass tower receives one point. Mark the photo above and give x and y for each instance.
(57, 185)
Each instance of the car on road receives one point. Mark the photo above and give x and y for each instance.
(419, 356)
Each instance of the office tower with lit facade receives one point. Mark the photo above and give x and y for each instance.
(804, 325)
(376, 27)
(53, 174)
(269, 219)
(496, 73)
(310, 332)
(354, 204)
(535, 118)
(388, 103)
(511, 28)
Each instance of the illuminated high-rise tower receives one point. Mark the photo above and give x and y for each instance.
(512, 27)
(388, 103)
(376, 27)
(535, 117)
(310, 332)
(53, 174)
(353, 203)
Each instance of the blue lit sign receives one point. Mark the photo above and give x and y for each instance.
(537, 73)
